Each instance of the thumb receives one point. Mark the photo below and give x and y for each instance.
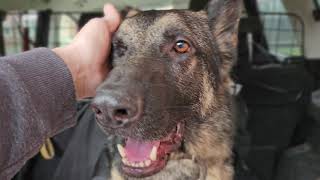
(112, 16)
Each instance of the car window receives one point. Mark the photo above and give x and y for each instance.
(284, 31)
(63, 27)
(14, 26)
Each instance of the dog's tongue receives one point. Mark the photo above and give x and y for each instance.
(139, 150)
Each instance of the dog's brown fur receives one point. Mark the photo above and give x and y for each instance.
(199, 83)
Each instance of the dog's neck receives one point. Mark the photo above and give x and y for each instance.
(213, 148)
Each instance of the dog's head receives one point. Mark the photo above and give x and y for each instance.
(167, 90)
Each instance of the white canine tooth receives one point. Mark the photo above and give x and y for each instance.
(153, 154)
(193, 158)
(121, 150)
(125, 161)
(147, 162)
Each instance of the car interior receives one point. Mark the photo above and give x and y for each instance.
(276, 87)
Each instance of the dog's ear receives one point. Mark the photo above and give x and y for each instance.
(224, 18)
(128, 12)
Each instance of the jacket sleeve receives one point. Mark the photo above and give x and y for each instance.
(37, 101)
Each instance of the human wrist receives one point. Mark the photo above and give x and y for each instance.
(68, 55)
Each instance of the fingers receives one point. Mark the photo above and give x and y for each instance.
(112, 16)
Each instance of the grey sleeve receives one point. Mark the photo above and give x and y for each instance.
(37, 101)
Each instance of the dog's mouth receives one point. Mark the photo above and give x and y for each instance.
(145, 158)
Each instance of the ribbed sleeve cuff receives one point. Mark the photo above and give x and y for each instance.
(50, 85)
(42, 96)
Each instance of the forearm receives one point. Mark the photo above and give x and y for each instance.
(37, 100)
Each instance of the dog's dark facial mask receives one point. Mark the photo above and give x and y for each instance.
(168, 79)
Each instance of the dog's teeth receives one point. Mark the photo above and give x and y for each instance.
(147, 163)
(125, 161)
(153, 154)
(193, 158)
(121, 150)
(131, 163)
(141, 164)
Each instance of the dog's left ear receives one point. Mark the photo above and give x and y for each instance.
(224, 18)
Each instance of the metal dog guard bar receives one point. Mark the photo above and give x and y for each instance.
(2, 48)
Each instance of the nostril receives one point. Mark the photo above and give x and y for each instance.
(121, 114)
(96, 110)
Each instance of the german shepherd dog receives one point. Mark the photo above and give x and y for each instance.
(167, 97)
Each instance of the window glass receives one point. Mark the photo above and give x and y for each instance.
(284, 31)
(63, 27)
(271, 6)
(13, 29)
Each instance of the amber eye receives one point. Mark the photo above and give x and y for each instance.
(182, 46)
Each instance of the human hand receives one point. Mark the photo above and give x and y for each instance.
(87, 55)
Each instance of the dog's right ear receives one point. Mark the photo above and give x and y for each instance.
(224, 16)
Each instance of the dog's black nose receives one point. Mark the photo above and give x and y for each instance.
(115, 111)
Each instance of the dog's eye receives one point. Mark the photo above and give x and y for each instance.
(182, 46)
